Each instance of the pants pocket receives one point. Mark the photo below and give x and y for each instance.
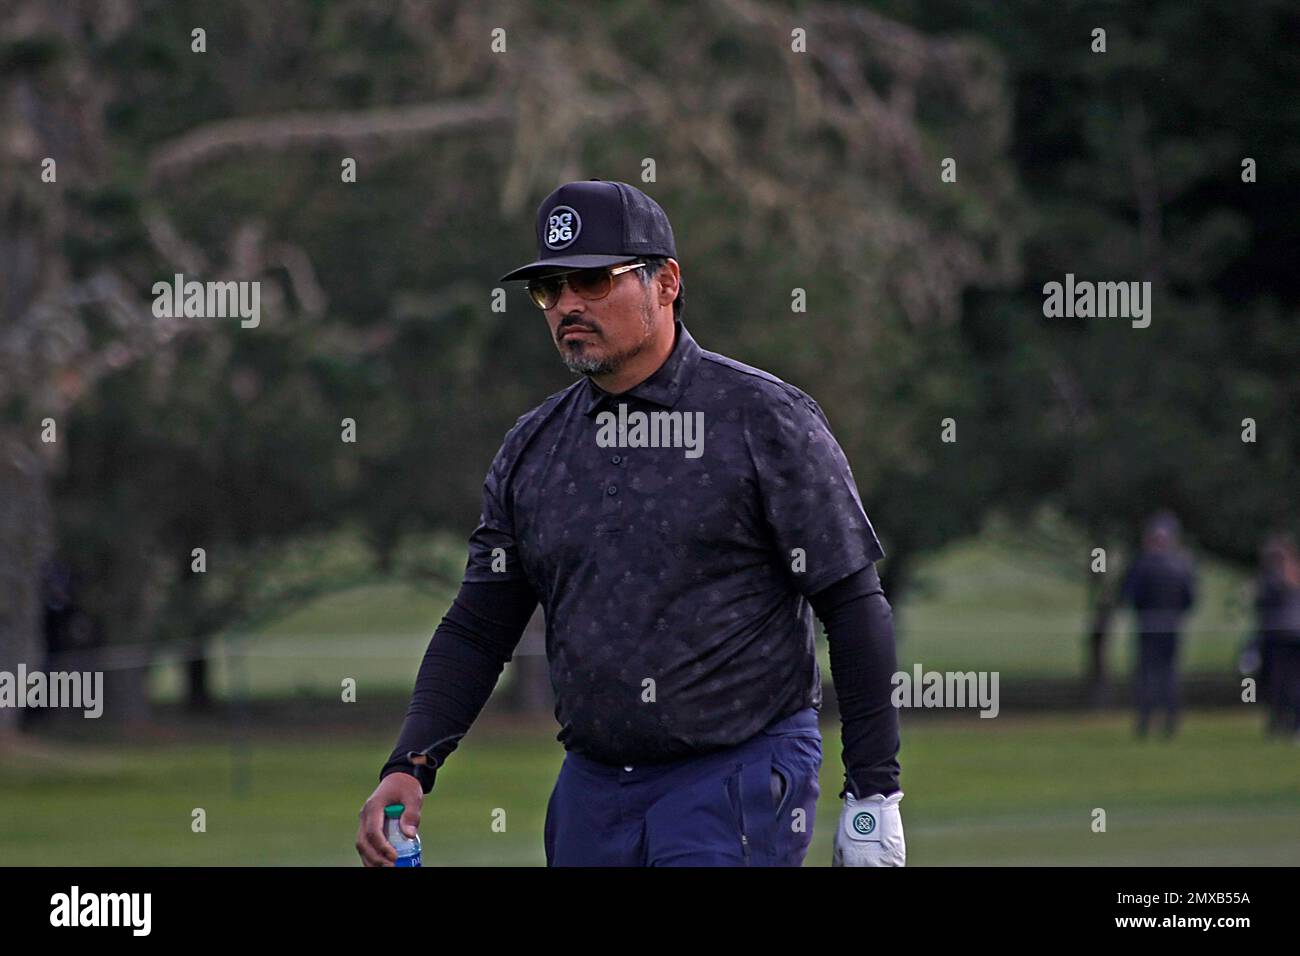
(779, 787)
(797, 761)
(732, 786)
(749, 790)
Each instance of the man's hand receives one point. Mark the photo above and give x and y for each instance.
(870, 832)
(403, 788)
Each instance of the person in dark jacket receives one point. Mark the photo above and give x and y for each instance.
(1161, 586)
(1277, 612)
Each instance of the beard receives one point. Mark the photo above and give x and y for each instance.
(580, 362)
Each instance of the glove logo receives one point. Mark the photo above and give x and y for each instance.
(864, 823)
(562, 227)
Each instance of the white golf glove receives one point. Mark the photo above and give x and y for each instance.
(870, 832)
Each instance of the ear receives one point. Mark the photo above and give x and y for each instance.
(668, 280)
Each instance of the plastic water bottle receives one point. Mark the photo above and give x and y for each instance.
(408, 848)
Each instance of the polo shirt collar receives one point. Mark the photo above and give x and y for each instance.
(666, 385)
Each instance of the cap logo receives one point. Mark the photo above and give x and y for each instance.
(562, 227)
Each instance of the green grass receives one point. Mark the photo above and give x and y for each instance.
(375, 634)
(986, 606)
(1002, 792)
(979, 606)
(1017, 789)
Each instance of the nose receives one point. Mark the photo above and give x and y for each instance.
(569, 301)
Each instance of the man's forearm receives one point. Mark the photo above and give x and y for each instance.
(461, 666)
(860, 632)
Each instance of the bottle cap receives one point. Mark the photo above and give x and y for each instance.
(394, 811)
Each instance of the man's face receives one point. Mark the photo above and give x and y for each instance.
(597, 336)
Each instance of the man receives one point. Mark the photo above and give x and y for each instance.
(1277, 610)
(679, 515)
(1161, 586)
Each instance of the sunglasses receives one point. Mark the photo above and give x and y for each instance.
(588, 283)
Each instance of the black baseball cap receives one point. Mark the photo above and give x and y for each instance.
(597, 222)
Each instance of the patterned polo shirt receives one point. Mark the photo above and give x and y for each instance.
(672, 534)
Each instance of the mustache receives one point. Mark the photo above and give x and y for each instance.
(568, 324)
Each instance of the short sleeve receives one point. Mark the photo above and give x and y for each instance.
(809, 498)
(493, 554)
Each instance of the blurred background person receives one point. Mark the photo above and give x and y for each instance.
(1277, 611)
(1160, 585)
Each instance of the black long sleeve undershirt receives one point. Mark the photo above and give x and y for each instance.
(860, 632)
(476, 639)
(479, 633)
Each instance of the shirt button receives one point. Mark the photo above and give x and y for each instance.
(628, 769)
(616, 459)
(612, 490)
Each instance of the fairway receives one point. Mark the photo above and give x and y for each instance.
(977, 605)
(1018, 789)
(1007, 791)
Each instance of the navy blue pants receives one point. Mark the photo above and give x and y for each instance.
(748, 805)
(1282, 684)
(1157, 679)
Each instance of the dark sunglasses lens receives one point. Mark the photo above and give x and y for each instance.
(544, 292)
(590, 283)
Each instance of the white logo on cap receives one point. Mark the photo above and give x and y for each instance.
(562, 227)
